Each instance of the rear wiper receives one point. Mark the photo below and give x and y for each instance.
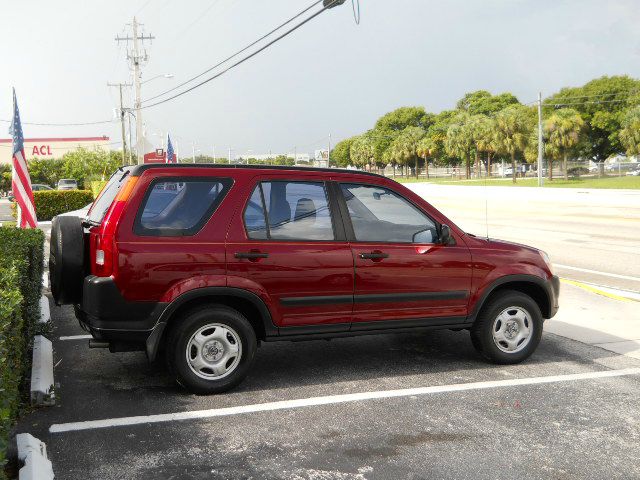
(90, 223)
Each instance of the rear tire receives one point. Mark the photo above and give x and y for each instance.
(66, 260)
(508, 328)
(210, 349)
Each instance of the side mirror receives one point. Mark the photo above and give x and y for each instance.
(445, 234)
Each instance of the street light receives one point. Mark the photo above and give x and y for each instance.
(165, 75)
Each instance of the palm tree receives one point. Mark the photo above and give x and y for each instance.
(630, 133)
(405, 147)
(426, 148)
(512, 127)
(460, 142)
(362, 151)
(563, 131)
(482, 130)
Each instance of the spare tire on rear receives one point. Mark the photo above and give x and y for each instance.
(66, 260)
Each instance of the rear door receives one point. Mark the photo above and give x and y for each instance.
(402, 273)
(287, 244)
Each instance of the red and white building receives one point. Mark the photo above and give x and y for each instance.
(52, 147)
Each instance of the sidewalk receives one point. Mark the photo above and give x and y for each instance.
(599, 320)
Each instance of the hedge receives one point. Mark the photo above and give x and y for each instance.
(21, 267)
(50, 203)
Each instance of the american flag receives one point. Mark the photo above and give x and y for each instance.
(171, 157)
(20, 180)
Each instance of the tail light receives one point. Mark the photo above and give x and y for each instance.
(103, 249)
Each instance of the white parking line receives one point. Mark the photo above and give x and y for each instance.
(586, 270)
(330, 400)
(76, 337)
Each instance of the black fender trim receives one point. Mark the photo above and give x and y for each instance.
(153, 341)
(551, 289)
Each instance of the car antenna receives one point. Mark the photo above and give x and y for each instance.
(486, 201)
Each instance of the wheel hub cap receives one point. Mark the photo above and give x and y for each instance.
(511, 330)
(213, 351)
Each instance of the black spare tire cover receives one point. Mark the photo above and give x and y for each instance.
(66, 259)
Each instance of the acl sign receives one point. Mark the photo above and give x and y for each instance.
(41, 150)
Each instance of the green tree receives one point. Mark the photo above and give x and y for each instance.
(404, 148)
(630, 133)
(362, 151)
(389, 126)
(426, 149)
(602, 104)
(563, 133)
(460, 142)
(5, 177)
(482, 130)
(512, 129)
(481, 102)
(341, 153)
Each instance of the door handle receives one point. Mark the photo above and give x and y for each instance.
(251, 255)
(374, 255)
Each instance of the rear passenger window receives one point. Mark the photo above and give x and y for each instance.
(290, 211)
(179, 207)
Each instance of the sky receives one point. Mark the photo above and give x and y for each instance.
(330, 77)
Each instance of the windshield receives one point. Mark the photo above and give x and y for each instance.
(106, 197)
(67, 182)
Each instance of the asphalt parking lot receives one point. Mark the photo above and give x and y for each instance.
(585, 424)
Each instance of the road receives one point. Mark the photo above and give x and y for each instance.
(593, 230)
(569, 412)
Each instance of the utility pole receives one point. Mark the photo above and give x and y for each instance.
(329, 153)
(137, 57)
(130, 140)
(214, 154)
(193, 152)
(122, 113)
(540, 145)
(229, 155)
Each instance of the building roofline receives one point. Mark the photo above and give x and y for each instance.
(138, 169)
(59, 139)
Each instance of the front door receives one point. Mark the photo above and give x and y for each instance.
(402, 273)
(291, 250)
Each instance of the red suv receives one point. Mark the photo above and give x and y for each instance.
(203, 262)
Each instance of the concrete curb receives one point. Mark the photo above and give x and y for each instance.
(33, 453)
(42, 393)
(45, 312)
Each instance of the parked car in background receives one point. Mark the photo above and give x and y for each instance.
(634, 172)
(67, 184)
(621, 167)
(38, 187)
(203, 262)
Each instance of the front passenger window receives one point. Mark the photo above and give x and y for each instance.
(381, 215)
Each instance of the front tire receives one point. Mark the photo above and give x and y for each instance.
(508, 328)
(210, 349)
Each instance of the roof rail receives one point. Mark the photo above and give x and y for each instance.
(138, 169)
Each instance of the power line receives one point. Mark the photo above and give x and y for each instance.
(241, 61)
(235, 54)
